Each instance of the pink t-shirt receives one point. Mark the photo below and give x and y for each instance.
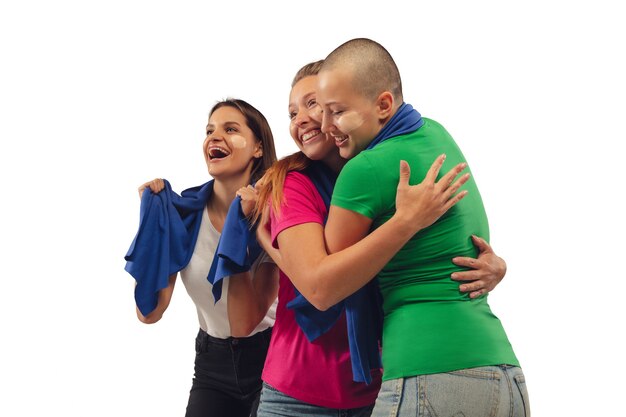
(318, 373)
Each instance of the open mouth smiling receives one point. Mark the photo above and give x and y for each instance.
(340, 140)
(308, 136)
(217, 153)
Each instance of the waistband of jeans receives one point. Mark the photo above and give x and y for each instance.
(259, 338)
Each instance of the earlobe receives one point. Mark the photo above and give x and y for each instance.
(259, 152)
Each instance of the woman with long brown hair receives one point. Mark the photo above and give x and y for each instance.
(235, 303)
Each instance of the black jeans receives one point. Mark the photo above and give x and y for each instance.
(227, 379)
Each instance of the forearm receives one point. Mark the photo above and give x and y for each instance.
(165, 296)
(326, 279)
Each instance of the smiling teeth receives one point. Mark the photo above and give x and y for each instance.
(213, 149)
(309, 135)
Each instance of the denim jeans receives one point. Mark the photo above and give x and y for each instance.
(488, 391)
(276, 404)
(227, 378)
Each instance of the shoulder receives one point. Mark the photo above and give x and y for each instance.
(297, 183)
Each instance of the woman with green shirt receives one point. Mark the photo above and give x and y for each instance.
(443, 353)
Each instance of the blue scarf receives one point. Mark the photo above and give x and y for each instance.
(168, 230)
(364, 323)
(312, 321)
(406, 120)
(364, 315)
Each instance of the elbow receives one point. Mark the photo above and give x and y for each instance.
(316, 293)
(321, 305)
(320, 300)
(151, 318)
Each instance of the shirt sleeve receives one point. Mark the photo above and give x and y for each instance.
(301, 204)
(358, 188)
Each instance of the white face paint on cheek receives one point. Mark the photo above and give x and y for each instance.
(349, 121)
(239, 142)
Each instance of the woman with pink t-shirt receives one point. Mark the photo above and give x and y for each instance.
(316, 378)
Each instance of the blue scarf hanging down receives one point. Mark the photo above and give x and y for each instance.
(312, 321)
(168, 230)
(364, 315)
(236, 250)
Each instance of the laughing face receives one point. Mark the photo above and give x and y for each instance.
(306, 120)
(230, 146)
(349, 117)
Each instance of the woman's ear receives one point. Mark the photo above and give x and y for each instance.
(385, 104)
(258, 153)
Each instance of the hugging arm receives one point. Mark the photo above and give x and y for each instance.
(327, 279)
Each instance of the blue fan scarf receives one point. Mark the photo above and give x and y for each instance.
(168, 230)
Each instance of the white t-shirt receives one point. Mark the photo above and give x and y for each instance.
(213, 317)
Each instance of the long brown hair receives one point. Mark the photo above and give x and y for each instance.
(261, 130)
(274, 178)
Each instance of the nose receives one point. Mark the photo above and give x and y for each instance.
(326, 122)
(301, 119)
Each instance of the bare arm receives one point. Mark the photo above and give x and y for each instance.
(327, 279)
(165, 296)
(250, 297)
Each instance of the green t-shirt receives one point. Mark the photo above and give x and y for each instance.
(429, 325)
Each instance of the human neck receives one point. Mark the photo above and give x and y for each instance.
(224, 192)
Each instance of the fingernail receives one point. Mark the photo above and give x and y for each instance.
(463, 288)
(454, 275)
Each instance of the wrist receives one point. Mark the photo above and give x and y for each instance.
(404, 226)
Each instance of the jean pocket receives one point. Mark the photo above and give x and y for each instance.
(520, 381)
(469, 393)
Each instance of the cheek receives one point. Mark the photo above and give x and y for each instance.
(349, 122)
(239, 142)
(293, 131)
(316, 114)
(205, 146)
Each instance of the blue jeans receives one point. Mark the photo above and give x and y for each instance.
(276, 404)
(488, 391)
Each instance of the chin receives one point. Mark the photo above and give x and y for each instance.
(346, 153)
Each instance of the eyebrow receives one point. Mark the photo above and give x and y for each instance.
(305, 98)
(225, 124)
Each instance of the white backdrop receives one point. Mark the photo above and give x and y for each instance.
(99, 97)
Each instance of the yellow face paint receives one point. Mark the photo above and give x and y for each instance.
(239, 142)
(349, 121)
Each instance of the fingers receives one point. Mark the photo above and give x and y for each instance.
(247, 193)
(451, 202)
(481, 244)
(405, 174)
(156, 186)
(452, 189)
(475, 289)
(432, 173)
(466, 262)
(447, 179)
